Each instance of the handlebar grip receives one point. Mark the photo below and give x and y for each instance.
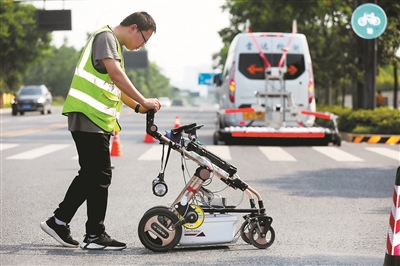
(183, 128)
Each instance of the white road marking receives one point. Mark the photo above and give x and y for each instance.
(5, 146)
(385, 152)
(221, 151)
(153, 154)
(35, 153)
(337, 154)
(277, 154)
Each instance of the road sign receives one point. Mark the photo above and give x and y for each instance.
(205, 79)
(369, 21)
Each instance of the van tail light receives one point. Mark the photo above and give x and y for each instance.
(310, 91)
(232, 83)
(310, 84)
(232, 88)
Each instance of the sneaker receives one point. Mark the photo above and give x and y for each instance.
(102, 242)
(60, 233)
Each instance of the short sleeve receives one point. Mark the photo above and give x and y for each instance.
(104, 46)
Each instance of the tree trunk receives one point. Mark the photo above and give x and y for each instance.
(343, 93)
(396, 87)
(328, 95)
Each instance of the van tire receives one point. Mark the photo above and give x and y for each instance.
(337, 141)
(216, 138)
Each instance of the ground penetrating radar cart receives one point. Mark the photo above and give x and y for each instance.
(196, 217)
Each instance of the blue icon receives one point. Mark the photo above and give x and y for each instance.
(205, 79)
(249, 45)
(369, 21)
(264, 46)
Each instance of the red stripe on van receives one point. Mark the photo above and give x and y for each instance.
(316, 114)
(278, 135)
(238, 110)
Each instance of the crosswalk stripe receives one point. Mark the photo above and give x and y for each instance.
(153, 154)
(337, 154)
(385, 152)
(5, 146)
(277, 154)
(272, 153)
(220, 151)
(32, 154)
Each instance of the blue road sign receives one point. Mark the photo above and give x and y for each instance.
(205, 79)
(369, 21)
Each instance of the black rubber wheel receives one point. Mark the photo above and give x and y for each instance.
(244, 231)
(338, 141)
(256, 238)
(158, 207)
(158, 231)
(215, 138)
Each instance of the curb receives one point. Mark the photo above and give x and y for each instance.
(370, 139)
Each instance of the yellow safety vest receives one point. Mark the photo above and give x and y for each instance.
(93, 93)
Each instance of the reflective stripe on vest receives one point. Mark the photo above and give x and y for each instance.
(92, 102)
(98, 82)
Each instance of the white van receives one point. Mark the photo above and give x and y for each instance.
(244, 75)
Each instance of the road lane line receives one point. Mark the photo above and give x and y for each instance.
(153, 154)
(337, 154)
(32, 130)
(35, 153)
(5, 146)
(221, 151)
(385, 152)
(277, 154)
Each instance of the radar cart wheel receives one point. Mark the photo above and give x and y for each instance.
(261, 236)
(159, 230)
(244, 231)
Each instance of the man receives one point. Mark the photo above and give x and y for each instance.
(94, 101)
(380, 100)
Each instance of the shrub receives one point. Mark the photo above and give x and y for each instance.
(382, 120)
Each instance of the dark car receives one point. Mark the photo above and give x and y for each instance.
(32, 98)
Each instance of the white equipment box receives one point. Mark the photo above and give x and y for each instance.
(216, 229)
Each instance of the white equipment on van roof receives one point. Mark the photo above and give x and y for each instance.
(267, 90)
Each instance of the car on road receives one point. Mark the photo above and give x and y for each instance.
(178, 102)
(32, 98)
(165, 101)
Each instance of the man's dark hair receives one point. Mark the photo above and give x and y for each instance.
(142, 19)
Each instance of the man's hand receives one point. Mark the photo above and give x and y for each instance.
(122, 81)
(152, 103)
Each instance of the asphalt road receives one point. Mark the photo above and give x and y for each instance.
(330, 205)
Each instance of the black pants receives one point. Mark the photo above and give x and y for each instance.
(91, 183)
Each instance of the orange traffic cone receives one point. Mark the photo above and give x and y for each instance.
(392, 256)
(148, 139)
(177, 122)
(116, 146)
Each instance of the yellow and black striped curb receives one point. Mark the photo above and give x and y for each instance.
(371, 139)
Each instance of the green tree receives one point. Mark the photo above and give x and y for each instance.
(150, 82)
(56, 71)
(21, 43)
